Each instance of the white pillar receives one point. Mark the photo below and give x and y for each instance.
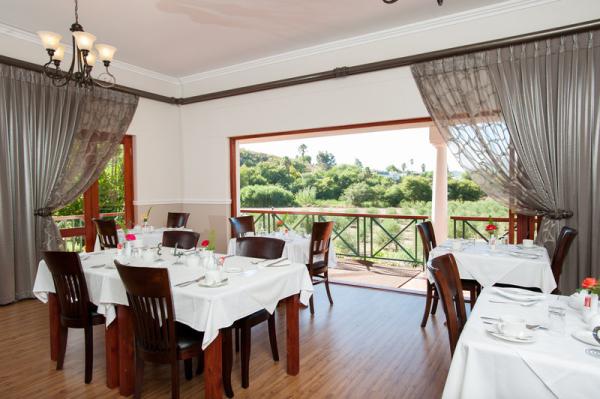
(439, 200)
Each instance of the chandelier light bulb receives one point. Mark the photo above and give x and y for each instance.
(50, 40)
(90, 58)
(84, 40)
(59, 53)
(105, 52)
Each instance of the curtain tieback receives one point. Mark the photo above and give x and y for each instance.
(558, 214)
(43, 212)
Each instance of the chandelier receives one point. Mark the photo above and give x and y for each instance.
(83, 61)
(440, 2)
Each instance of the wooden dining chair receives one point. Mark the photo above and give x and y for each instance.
(177, 219)
(263, 248)
(563, 243)
(318, 258)
(107, 233)
(427, 234)
(450, 290)
(76, 310)
(183, 239)
(241, 225)
(158, 337)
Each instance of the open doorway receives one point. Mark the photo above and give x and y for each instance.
(375, 182)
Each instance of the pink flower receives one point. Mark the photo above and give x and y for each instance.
(129, 237)
(120, 246)
(204, 243)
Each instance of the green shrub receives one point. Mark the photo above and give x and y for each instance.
(464, 190)
(416, 188)
(266, 196)
(361, 193)
(307, 196)
(393, 195)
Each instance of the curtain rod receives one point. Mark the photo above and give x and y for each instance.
(347, 70)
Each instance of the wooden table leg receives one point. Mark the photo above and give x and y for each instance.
(293, 334)
(213, 365)
(112, 354)
(54, 313)
(126, 355)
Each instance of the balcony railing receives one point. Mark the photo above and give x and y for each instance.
(474, 227)
(364, 236)
(72, 229)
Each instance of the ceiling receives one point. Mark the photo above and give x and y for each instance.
(183, 37)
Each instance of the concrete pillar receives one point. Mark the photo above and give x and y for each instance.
(439, 200)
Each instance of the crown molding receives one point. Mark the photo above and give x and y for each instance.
(205, 201)
(404, 30)
(21, 34)
(151, 202)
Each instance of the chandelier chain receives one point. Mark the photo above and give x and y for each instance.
(76, 12)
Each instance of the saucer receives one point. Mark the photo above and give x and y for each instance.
(585, 336)
(219, 284)
(526, 338)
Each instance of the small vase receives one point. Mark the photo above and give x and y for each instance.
(492, 242)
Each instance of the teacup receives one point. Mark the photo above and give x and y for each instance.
(527, 243)
(213, 277)
(512, 326)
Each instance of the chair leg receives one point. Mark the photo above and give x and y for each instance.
(473, 295)
(139, 377)
(227, 356)
(62, 349)
(237, 339)
(89, 353)
(188, 366)
(175, 379)
(435, 303)
(246, 338)
(327, 287)
(273, 337)
(200, 368)
(311, 304)
(427, 305)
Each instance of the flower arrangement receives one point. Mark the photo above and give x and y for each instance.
(146, 215)
(128, 236)
(491, 228)
(204, 244)
(591, 284)
(210, 243)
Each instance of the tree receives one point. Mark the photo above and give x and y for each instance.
(416, 188)
(325, 159)
(423, 168)
(266, 196)
(393, 195)
(302, 150)
(360, 193)
(464, 190)
(358, 163)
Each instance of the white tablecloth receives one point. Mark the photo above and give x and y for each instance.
(203, 309)
(297, 248)
(150, 238)
(555, 366)
(508, 264)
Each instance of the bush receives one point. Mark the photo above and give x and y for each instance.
(266, 196)
(360, 193)
(416, 188)
(307, 196)
(464, 190)
(393, 195)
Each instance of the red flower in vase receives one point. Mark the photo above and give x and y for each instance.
(279, 223)
(490, 228)
(129, 237)
(588, 283)
(204, 243)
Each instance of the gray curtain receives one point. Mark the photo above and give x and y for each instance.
(56, 142)
(524, 120)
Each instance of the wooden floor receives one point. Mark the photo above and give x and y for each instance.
(367, 345)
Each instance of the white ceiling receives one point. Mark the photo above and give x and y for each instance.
(183, 37)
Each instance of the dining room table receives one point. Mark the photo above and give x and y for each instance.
(555, 357)
(145, 236)
(500, 264)
(250, 285)
(296, 249)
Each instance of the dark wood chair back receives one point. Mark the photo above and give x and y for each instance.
(449, 287)
(320, 240)
(70, 286)
(259, 247)
(427, 238)
(183, 239)
(151, 302)
(563, 243)
(241, 225)
(107, 233)
(177, 219)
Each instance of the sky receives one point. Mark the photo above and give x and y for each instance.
(375, 149)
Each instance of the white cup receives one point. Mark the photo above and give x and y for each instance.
(213, 277)
(512, 326)
(527, 243)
